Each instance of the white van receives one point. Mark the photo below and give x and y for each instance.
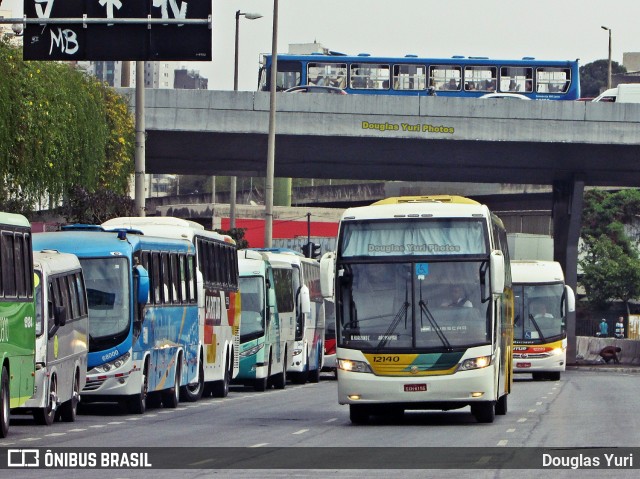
(623, 93)
(62, 337)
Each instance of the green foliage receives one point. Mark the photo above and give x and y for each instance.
(59, 128)
(594, 76)
(238, 235)
(610, 262)
(96, 207)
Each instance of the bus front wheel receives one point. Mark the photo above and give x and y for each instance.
(69, 409)
(4, 403)
(484, 412)
(47, 414)
(501, 405)
(358, 414)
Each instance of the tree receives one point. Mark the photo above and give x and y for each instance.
(594, 75)
(59, 128)
(96, 207)
(238, 235)
(610, 263)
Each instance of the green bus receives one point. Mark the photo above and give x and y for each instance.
(17, 312)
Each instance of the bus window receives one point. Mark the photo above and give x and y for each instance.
(327, 74)
(445, 77)
(369, 76)
(409, 77)
(480, 78)
(515, 79)
(552, 80)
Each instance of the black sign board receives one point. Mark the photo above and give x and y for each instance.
(125, 38)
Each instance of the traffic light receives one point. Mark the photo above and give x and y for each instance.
(306, 249)
(315, 250)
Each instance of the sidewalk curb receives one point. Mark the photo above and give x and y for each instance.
(604, 368)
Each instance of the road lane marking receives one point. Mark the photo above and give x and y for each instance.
(115, 423)
(332, 419)
(301, 431)
(503, 442)
(532, 410)
(53, 434)
(260, 444)
(29, 439)
(98, 425)
(522, 419)
(77, 430)
(511, 430)
(539, 403)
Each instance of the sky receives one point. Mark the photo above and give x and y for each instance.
(545, 29)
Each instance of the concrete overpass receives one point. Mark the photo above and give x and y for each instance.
(566, 145)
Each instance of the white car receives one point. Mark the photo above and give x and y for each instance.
(516, 96)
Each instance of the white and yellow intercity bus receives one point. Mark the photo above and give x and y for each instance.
(542, 301)
(424, 307)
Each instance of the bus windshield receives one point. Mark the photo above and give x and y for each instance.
(107, 281)
(462, 236)
(537, 312)
(437, 305)
(252, 320)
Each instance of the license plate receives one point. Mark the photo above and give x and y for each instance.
(523, 365)
(412, 388)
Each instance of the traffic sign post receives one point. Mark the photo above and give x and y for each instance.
(151, 30)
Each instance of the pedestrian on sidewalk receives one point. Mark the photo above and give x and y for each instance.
(604, 328)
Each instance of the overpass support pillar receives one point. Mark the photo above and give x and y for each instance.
(567, 220)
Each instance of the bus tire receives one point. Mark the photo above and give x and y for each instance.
(171, 396)
(501, 405)
(484, 412)
(220, 389)
(358, 414)
(280, 380)
(193, 392)
(314, 375)
(137, 403)
(262, 384)
(47, 414)
(4, 403)
(69, 409)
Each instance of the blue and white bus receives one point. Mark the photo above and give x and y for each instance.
(263, 349)
(424, 307)
(218, 298)
(457, 76)
(143, 310)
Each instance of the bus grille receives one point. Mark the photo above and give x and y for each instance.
(531, 356)
(93, 384)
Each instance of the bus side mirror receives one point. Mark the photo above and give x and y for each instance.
(142, 276)
(271, 302)
(569, 300)
(497, 272)
(59, 318)
(327, 275)
(305, 300)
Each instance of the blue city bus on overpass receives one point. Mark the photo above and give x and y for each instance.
(458, 76)
(143, 313)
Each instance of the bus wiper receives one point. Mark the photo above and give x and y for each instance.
(535, 324)
(394, 324)
(424, 309)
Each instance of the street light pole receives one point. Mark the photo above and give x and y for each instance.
(233, 180)
(271, 140)
(609, 69)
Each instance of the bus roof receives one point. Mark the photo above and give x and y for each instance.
(13, 219)
(536, 271)
(166, 227)
(365, 57)
(54, 261)
(426, 199)
(410, 210)
(88, 244)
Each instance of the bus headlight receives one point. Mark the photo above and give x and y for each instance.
(557, 351)
(475, 363)
(115, 364)
(354, 366)
(297, 351)
(251, 351)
